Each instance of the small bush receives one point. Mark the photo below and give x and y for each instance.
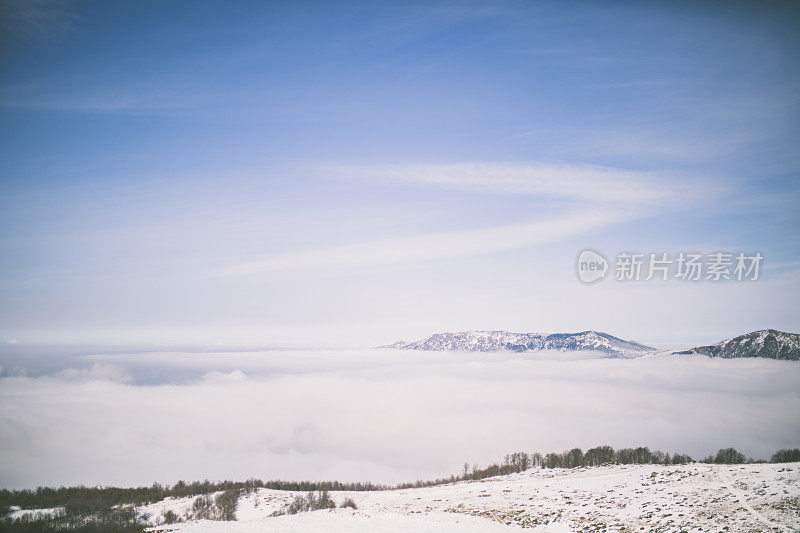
(324, 501)
(348, 502)
(225, 504)
(202, 507)
(170, 517)
(298, 505)
(223, 507)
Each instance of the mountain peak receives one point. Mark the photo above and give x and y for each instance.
(766, 343)
(492, 341)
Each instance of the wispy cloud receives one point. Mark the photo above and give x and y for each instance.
(74, 106)
(599, 196)
(103, 100)
(436, 246)
(98, 371)
(595, 184)
(630, 84)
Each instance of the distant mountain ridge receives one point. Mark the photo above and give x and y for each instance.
(766, 343)
(492, 341)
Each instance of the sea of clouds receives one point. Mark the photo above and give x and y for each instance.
(377, 415)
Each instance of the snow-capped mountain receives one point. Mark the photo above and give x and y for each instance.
(492, 341)
(768, 343)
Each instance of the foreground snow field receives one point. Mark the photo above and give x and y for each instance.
(697, 497)
(346, 521)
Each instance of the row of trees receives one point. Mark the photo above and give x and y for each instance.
(51, 527)
(81, 500)
(601, 455)
(786, 456)
(730, 456)
(110, 520)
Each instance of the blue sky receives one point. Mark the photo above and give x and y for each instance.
(311, 172)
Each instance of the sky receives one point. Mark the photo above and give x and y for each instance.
(354, 173)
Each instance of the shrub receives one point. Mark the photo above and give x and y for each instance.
(225, 504)
(202, 507)
(170, 517)
(324, 501)
(310, 502)
(348, 502)
(298, 505)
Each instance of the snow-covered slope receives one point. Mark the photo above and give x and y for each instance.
(347, 521)
(694, 497)
(768, 343)
(492, 341)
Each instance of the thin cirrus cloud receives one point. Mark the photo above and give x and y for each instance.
(439, 246)
(599, 196)
(594, 184)
(97, 371)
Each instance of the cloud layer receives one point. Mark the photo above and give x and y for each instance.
(375, 415)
